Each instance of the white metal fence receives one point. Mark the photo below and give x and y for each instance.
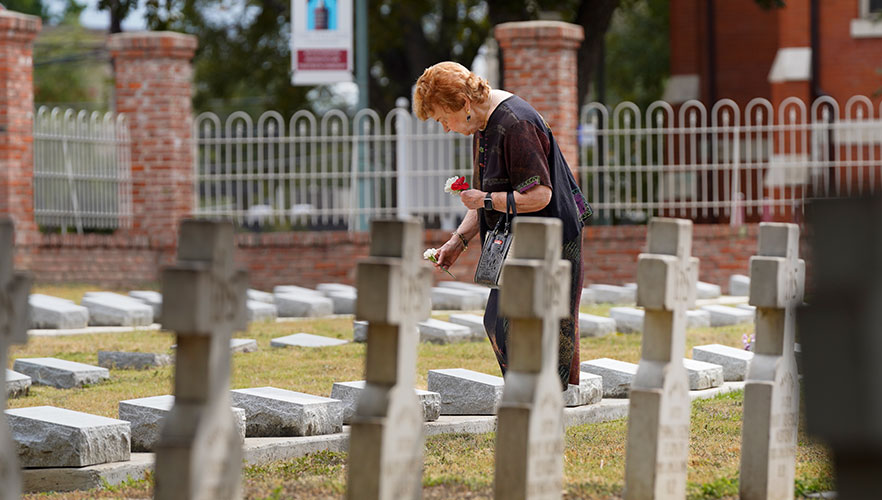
(82, 172)
(725, 164)
(326, 173)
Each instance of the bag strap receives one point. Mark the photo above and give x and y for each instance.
(511, 210)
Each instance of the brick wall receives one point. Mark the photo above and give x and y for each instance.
(17, 33)
(539, 61)
(610, 256)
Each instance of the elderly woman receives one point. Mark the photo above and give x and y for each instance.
(514, 151)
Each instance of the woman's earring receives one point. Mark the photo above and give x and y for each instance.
(468, 117)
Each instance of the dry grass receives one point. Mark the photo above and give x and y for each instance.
(456, 466)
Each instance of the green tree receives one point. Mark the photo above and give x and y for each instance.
(71, 65)
(31, 7)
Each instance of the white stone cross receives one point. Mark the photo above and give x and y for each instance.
(771, 393)
(658, 418)
(14, 322)
(534, 297)
(199, 454)
(386, 440)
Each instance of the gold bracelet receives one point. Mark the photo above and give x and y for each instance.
(465, 245)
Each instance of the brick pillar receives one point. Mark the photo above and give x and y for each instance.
(17, 33)
(153, 88)
(539, 63)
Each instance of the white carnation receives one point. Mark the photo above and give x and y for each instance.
(430, 254)
(449, 184)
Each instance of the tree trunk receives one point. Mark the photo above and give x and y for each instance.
(594, 16)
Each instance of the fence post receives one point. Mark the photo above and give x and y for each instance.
(153, 88)
(17, 33)
(540, 66)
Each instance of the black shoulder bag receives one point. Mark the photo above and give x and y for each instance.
(496, 246)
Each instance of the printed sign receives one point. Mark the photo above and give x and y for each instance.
(321, 41)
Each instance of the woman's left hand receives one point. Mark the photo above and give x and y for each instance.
(472, 198)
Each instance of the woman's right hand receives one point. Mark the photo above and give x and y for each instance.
(449, 252)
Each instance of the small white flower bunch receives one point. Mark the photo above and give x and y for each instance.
(431, 255)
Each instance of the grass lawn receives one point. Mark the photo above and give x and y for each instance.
(456, 466)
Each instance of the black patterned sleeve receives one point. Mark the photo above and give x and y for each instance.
(525, 149)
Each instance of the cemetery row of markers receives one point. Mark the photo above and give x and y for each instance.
(197, 434)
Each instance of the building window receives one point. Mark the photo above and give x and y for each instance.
(871, 8)
(869, 22)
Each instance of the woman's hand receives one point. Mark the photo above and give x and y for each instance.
(449, 252)
(472, 198)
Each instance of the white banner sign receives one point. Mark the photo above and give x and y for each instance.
(321, 41)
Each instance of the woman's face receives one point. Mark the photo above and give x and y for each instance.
(455, 121)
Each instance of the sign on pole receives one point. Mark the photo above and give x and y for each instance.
(321, 41)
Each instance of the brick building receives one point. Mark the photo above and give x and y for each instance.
(735, 49)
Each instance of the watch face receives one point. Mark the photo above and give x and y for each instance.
(488, 202)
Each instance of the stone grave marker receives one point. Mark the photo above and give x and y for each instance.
(56, 313)
(306, 340)
(17, 384)
(350, 392)
(14, 322)
(47, 436)
(123, 360)
(152, 299)
(274, 412)
(466, 392)
(595, 326)
(739, 285)
(146, 416)
(658, 414)
(839, 335)
(726, 316)
(530, 427)
(113, 309)
(616, 375)
(386, 439)
(733, 360)
(443, 332)
(199, 454)
(771, 392)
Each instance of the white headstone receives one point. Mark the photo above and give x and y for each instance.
(612, 294)
(303, 305)
(466, 392)
(56, 313)
(199, 454)
(132, 360)
(628, 319)
(443, 332)
(591, 325)
(588, 392)
(707, 290)
(658, 415)
(113, 309)
(350, 392)
(14, 323)
(726, 316)
(733, 360)
(306, 340)
(474, 323)
(60, 373)
(274, 412)
(446, 298)
(147, 415)
(151, 298)
(47, 436)
(771, 393)
(616, 375)
(530, 429)
(261, 311)
(386, 439)
(739, 285)
(17, 384)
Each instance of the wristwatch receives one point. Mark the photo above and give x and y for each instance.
(488, 201)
